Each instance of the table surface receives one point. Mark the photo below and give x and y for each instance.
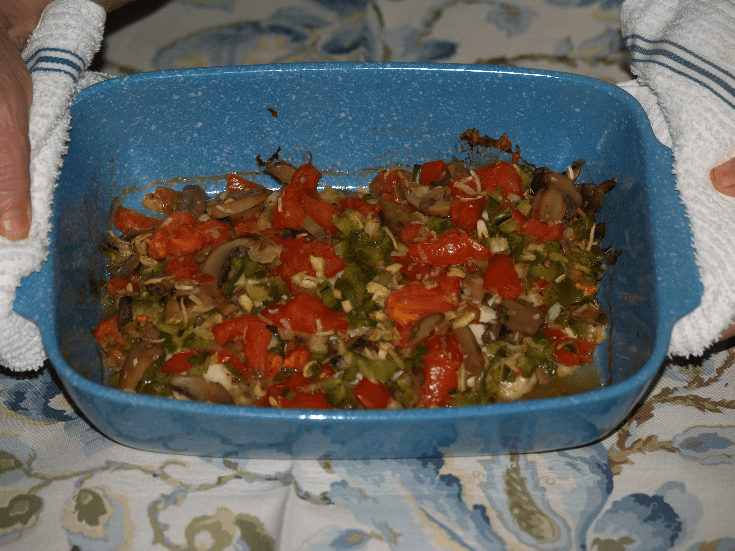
(664, 480)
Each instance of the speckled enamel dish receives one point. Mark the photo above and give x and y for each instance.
(351, 118)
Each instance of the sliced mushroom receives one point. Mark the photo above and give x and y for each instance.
(522, 318)
(543, 376)
(549, 205)
(430, 200)
(391, 220)
(474, 359)
(457, 170)
(126, 267)
(222, 301)
(314, 228)
(259, 249)
(193, 200)
(233, 203)
(139, 358)
(424, 327)
(124, 312)
(198, 388)
(553, 189)
(574, 170)
(586, 312)
(281, 171)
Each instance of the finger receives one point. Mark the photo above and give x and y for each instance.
(723, 178)
(15, 198)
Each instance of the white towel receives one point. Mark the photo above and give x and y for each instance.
(58, 52)
(683, 54)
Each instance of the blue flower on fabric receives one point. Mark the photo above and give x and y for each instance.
(97, 518)
(512, 19)
(16, 457)
(651, 522)
(708, 445)
(37, 399)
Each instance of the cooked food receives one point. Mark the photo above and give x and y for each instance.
(446, 285)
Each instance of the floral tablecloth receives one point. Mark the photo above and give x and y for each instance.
(664, 480)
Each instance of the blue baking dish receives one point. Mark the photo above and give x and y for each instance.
(350, 119)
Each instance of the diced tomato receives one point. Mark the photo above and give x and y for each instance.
(451, 248)
(519, 218)
(372, 395)
(184, 240)
(432, 172)
(306, 178)
(305, 314)
(414, 301)
(164, 200)
(501, 175)
(441, 366)
(256, 335)
(501, 277)
(182, 267)
(245, 226)
(553, 231)
(568, 350)
(464, 214)
(297, 359)
(108, 336)
(130, 220)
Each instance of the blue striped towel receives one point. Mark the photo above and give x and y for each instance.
(683, 55)
(57, 55)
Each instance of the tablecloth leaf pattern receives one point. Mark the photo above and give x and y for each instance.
(664, 480)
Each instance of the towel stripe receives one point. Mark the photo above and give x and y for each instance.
(684, 62)
(56, 60)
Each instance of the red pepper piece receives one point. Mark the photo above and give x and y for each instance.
(500, 175)
(441, 366)
(305, 314)
(568, 350)
(108, 336)
(391, 186)
(414, 301)
(358, 204)
(215, 232)
(256, 340)
(553, 231)
(130, 220)
(519, 218)
(238, 183)
(451, 248)
(295, 258)
(464, 214)
(118, 285)
(372, 395)
(178, 363)
(501, 277)
(322, 212)
(299, 400)
(410, 232)
(432, 172)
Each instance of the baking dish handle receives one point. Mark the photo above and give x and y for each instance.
(33, 298)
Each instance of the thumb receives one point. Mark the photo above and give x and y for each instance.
(723, 178)
(15, 149)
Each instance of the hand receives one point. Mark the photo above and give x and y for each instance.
(18, 18)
